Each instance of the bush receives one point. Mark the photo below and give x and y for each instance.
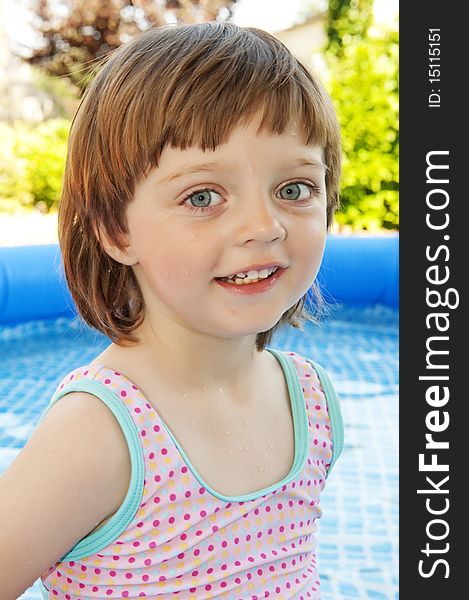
(364, 88)
(32, 160)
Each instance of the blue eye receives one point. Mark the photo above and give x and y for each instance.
(297, 190)
(201, 199)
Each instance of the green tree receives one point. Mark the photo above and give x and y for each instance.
(364, 87)
(31, 163)
(347, 19)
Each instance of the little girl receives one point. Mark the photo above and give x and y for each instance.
(187, 459)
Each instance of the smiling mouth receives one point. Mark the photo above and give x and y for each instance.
(249, 277)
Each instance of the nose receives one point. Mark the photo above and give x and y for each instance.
(259, 222)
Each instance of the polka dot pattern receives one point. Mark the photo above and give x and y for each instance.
(183, 541)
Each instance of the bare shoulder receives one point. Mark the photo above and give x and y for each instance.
(91, 440)
(132, 363)
(73, 472)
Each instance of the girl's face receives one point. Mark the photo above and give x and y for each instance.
(256, 203)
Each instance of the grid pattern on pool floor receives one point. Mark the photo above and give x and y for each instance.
(358, 533)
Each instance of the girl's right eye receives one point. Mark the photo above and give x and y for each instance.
(202, 200)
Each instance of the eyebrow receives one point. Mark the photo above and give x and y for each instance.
(303, 162)
(212, 166)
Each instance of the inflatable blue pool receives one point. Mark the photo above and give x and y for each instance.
(357, 271)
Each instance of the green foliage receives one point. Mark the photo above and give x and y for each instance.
(347, 19)
(32, 160)
(364, 88)
(363, 72)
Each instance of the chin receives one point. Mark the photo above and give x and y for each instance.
(255, 329)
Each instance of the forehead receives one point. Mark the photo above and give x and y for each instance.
(247, 149)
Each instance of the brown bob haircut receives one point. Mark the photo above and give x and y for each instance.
(180, 86)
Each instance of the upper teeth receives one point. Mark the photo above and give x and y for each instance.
(251, 275)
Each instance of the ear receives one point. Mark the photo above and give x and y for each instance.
(124, 256)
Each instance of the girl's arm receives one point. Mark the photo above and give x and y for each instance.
(73, 473)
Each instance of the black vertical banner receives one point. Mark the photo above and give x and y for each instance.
(434, 427)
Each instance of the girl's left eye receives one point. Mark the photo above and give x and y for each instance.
(297, 190)
(198, 200)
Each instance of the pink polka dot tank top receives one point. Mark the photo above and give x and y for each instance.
(174, 536)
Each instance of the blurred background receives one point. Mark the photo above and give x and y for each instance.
(48, 49)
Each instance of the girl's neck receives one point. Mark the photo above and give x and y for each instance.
(197, 361)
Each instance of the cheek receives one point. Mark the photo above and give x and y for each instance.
(310, 241)
(310, 258)
(178, 263)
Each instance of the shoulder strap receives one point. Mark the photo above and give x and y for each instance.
(335, 414)
(120, 521)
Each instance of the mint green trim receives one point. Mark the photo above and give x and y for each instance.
(333, 405)
(123, 517)
(300, 422)
(44, 590)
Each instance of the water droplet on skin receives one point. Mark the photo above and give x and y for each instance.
(247, 448)
(266, 454)
(230, 451)
(165, 273)
(250, 169)
(204, 388)
(227, 433)
(185, 395)
(270, 445)
(245, 421)
(186, 273)
(221, 392)
(239, 447)
(260, 469)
